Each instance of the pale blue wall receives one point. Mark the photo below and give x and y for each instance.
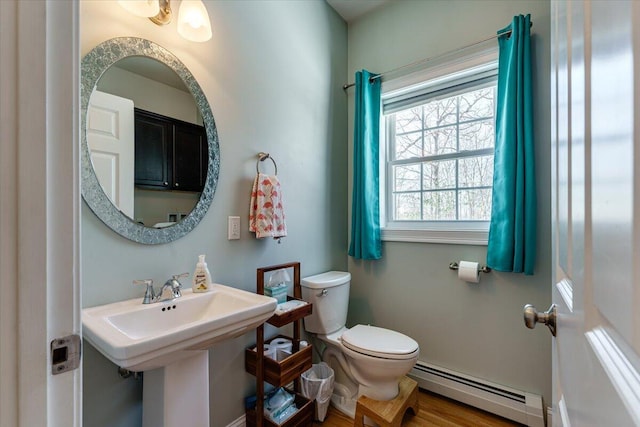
(272, 73)
(474, 329)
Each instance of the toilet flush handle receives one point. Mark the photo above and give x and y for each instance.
(323, 293)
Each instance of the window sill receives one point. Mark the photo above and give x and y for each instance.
(477, 237)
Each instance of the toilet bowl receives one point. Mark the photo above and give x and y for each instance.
(368, 360)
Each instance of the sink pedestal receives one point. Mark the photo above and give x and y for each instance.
(178, 394)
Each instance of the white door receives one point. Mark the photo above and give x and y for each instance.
(110, 136)
(39, 211)
(596, 212)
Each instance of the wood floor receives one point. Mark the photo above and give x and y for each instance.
(435, 411)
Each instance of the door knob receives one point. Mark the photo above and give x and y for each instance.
(532, 316)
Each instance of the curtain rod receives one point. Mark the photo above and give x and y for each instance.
(421, 61)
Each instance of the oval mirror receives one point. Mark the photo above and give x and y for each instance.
(150, 154)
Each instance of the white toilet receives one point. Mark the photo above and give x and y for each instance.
(367, 360)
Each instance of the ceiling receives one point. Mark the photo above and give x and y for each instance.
(351, 10)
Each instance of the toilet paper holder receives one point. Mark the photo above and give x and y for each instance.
(481, 268)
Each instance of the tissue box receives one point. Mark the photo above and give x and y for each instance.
(278, 292)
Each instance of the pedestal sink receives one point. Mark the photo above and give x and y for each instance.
(169, 341)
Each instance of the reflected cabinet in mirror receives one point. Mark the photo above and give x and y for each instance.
(150, 154)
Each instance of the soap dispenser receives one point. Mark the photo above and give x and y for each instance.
(201, 276)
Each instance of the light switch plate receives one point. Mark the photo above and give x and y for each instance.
(234, 228)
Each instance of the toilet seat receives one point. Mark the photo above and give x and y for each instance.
(379, 342)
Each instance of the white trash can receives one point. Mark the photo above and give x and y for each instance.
(317, 385)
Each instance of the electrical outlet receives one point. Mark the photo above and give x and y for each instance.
(234, 227)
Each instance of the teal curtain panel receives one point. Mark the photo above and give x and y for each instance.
(512, 232)
(365, 198)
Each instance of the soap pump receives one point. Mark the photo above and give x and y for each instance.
(201, 276)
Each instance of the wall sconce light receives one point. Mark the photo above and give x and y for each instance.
(193, 19)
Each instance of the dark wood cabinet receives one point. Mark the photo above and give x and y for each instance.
(153, 144)
(169, 154)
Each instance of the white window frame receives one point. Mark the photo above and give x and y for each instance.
(436, 74)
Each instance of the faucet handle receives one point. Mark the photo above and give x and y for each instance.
(149, 293)
(176, 285)
(177, 277)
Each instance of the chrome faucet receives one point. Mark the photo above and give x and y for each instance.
(169, 291)
(171, 288)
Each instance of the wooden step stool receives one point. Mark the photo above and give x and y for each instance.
(389, 413)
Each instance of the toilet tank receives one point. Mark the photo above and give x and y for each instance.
(329, 294)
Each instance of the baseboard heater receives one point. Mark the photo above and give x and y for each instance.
(522, 407)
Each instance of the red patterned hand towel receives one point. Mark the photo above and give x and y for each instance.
(266, 213)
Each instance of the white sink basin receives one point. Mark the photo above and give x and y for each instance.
(141, 337)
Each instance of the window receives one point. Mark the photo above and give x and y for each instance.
(438, 164)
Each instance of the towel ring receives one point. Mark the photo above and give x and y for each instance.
(261, 158)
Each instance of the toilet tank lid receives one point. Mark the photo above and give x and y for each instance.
(326, 280)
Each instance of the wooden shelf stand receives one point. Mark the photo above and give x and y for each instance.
(282, 372)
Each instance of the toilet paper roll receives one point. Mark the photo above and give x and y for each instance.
(281, 344)
(468, 271)
(269, 351)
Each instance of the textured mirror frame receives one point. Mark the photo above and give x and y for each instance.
(94, 64)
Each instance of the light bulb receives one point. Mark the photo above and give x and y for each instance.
(142, 8)
(193, 21)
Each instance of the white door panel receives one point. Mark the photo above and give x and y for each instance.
(612, 174)
(596, 212)
(562, 153)
(577, 163)
(110, 136)
(106, 167)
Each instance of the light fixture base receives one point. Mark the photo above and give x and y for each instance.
(164, 16)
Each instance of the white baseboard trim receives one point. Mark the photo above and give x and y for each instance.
(239, 422)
